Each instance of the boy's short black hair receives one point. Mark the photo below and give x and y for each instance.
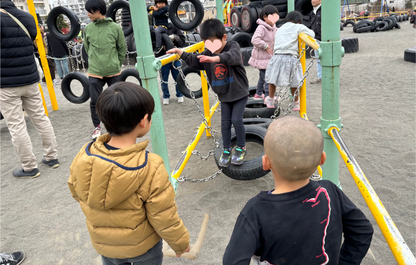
(212, 28)
(122, 106)
(294, 17)
(161, 1)
(94, 5)
(268, 10)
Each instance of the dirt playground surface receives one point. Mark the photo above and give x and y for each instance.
(377, 107)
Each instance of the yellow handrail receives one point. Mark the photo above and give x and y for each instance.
(398, 246)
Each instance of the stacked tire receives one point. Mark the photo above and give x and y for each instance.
(378, 24)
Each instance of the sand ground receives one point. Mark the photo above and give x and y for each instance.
(377, 107)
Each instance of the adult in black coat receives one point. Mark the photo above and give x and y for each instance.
(178, 40)
(58, 50)
(19, 89)
(315, 25)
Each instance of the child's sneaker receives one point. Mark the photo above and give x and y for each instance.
(14, 258)
(269, 102)
(96, 132)
(225, 158)
(20, 173)
(238, 157)
(296, 106)
(166, 101)
(258, 97)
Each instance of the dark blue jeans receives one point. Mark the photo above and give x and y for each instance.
(262, 84)
(232, 113)
(153, 256)
(165, 77)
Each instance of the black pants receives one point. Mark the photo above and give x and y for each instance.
(232, 113)
(96, 88)
(158, 32)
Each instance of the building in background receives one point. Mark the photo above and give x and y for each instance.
(42, 8)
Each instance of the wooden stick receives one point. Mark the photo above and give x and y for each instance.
(195, 248)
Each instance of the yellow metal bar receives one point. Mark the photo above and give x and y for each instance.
(173, 57)
(191, 146)
(43, 100)
(302, 92)
(42, 53)
(309, 40)
(205, 97)
(398, 246)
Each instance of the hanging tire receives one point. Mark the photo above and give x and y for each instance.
(257, 109)
(242, 38)
(350, 45)
(248, 18)
(73, 19)
(246, 53)
(262, 122)
(410, 55)
(304, 7)
(235, 16)
(130, 72)
(181, 84)
(250, 169)
(173, 15)
(349, 22)
(67, 91)
(112, 11)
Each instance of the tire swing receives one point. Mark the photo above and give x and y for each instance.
(250, 169)
(130, 72)
(67, 91)
(257, 109)
(173, 14)
(112, 11)
(262, 122)
(180, 83)
(52, 23)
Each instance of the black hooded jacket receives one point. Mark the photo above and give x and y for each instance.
(17, 63)
(316, 23)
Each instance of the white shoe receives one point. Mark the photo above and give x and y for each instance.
(269, 102)
(180, 100)
(166, 101)
(296, 106)
(96, 132)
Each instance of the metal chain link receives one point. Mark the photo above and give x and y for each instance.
(182, 178)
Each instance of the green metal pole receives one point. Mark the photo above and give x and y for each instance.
(220, 10)
(290, 5)
(330, 54)
(148, 67)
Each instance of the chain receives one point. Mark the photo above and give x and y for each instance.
(284, 92)
(315, 177)
(182, 178)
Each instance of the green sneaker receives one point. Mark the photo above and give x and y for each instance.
(238, 157)
(225, 158)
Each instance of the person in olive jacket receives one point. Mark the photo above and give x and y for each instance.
(106, 48)
(123, 190)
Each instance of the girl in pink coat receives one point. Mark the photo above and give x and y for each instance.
(263, 42)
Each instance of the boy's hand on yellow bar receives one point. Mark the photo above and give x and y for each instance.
(175, 50)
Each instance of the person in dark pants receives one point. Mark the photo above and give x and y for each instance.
(51, 63)
(315, 25)
(178, 40)
(160, 20)
(106, 49)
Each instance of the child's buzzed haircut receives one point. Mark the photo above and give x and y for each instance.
(212, 28)
(122, 106)
(294, 17)
(294, 147)
(94, 5)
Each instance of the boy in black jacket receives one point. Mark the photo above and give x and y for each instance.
(160, 19)
(300, 221)
(223, 64)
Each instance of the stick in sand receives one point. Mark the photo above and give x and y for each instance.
(194, 252)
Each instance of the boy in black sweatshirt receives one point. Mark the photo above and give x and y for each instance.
(160, 19)
(223, 64)
(300, 221)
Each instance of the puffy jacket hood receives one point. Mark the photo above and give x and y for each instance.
(111, 171)
(263, 23)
